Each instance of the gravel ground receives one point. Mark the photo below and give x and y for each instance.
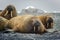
(24, 36)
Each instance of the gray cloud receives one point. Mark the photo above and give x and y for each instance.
(48, 5)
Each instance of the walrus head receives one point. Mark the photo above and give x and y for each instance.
(9, 10)
(49, 23)
(39, 27)
(36, 24)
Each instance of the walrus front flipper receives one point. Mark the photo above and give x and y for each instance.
(8, 31)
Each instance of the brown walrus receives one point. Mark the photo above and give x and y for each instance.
(26, 24)
(9, 12)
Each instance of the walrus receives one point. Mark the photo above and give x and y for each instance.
(9, 12)
(47, 21)
(26, 24)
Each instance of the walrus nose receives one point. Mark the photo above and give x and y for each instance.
(36, 25)
(9, 8)
(50, 20)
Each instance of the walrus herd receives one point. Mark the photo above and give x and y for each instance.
(24, 23)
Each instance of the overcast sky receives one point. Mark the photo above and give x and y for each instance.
(48, 5)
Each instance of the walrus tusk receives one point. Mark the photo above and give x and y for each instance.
(6, 13)
(11, 14)
(34, 29)
(47, 25)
